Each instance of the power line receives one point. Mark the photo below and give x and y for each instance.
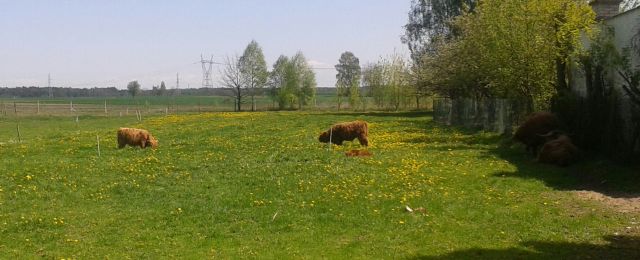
(207, 82)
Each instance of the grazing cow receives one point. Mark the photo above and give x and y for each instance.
(557, 150)
(136, 137)
(531, 132)
(347, 131)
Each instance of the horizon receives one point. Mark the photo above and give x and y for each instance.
(110, 43)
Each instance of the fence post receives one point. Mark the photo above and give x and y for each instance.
(38, 107)
(71, 105)
(105, 108)
(18, 129)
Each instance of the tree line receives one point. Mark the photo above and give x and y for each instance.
(528, 51)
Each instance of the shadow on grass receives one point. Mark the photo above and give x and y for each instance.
(590, 173)
(617, 247)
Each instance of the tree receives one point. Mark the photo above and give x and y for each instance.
(277, 82)
(509, 49)
(163, 89)
(134, 88)
(373, 79)
(430, 21)
(232, 78)
(388, 82)
(348, 79)
(292, 82)
(308, 83)
(302, 80)
(254, 70)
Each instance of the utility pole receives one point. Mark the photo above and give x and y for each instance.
(49, 85)
(207, 82)
(177, 84)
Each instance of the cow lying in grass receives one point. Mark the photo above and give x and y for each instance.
(358, 153)
(136, 137)
(558, 150)
(347, 131)
(531, 132)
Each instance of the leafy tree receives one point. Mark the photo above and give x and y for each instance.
(513, 49)
(134, 88)
(430, 21)
(292, 82)
(277, 82)
(232, 78)
(302, 79)
(389, 82)
(348, 79)
(254, 70)
(163, 89)
(373, 79)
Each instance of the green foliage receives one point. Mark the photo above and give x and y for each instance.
(348, 79)
(509, 49)
(253, 69)
(430, 21)
(292, 82)
(134, 88)
(389, 83)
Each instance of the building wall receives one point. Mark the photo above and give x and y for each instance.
(625, 26)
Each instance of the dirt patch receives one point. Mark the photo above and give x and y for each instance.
(624, 203)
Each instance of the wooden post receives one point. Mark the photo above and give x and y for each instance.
(38, 107)
(71, 105)
(105, 108)
(330, 136)
(166, 111)
(18, 129)
(15, 109)
(98, 139)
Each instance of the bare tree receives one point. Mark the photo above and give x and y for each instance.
(232, 79)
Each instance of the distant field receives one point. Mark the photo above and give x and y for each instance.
(260, 185)
(155, 105)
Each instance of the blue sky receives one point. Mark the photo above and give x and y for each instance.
(109, 43)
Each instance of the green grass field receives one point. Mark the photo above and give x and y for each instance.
(260, 185)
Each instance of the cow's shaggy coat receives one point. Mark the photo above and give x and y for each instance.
(358, 153)
(559, 151)
(136, 137)
(347, 131)
(531, 132)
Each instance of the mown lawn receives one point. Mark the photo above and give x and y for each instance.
(260, 185)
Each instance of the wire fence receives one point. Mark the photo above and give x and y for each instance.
(497, 115)
(127, 107)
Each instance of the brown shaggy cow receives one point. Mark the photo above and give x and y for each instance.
(559, 151)
(347, 131)
(136, 137)
(531, 132)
